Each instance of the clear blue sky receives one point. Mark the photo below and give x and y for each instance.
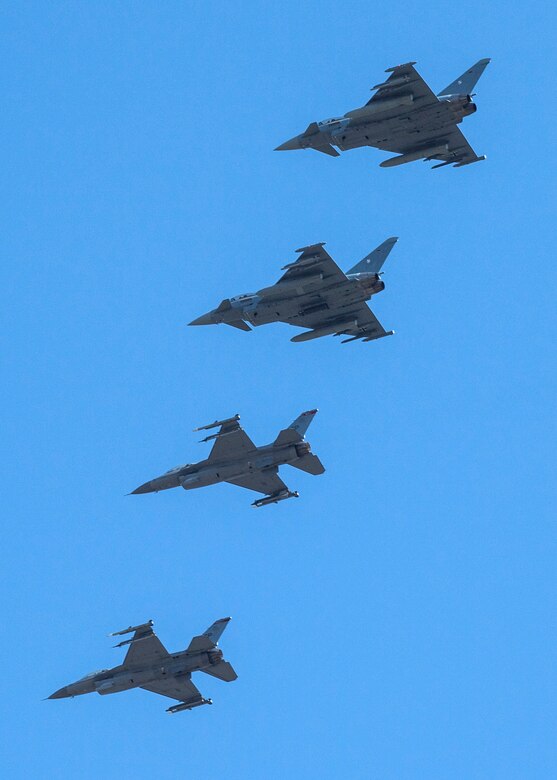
(398, 619)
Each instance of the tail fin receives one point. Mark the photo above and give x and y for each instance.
(464, 85)
(297, 429)
(373, 262)
(209, 638)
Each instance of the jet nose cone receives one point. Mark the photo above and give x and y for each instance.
(205, 319)
(147, 487)
(294, 143)
(62, 693)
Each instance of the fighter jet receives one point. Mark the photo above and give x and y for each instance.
(150, 666)
(403, 116)
(235, 459)
(313, 293)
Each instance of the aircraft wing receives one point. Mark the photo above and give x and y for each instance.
(351, 320)
(145, 646)
(180, 688)
(231, 441)
(405, 80)
(459, 152)
(367, 328)
(266, 481)
(313, 261)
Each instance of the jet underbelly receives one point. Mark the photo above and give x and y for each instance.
(198, 479)
(393, 128)
(274, 312)
(220, 472)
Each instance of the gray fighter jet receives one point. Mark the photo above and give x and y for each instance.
(403, 116)
(313, 293)
(235, 459)
(150, 666)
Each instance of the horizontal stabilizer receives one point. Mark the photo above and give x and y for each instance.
(310, 463)
(223, 671)
(464, 85)
(373, 262)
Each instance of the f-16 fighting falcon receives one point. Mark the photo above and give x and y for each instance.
(235, 459)
(150, 666)
(313, 293)
(403, 116)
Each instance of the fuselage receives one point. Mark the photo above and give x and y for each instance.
(391, 128)
(210, 472)
(123, 678)
(298, 300)
(364, 127)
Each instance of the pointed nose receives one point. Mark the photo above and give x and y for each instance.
(205, 319)
(147, 487)
(62, 693)
(294, 143)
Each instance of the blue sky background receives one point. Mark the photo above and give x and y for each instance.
(398, 620)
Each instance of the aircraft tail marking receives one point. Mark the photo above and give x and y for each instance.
(464, 85)
(373, 262)
(209, 638)
(297, 429)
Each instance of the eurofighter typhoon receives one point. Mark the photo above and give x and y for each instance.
(313, 293)
(403, 116)
(150, 666)
(235, 459)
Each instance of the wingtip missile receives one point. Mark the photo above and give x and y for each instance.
(130, 629)
(217, 423)
(403, 65)
(275, 498)
(188, 705)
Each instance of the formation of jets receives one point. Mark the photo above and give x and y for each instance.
(403, 116)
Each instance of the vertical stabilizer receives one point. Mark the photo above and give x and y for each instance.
(296, 430)
(372, 263)
(464, 85)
